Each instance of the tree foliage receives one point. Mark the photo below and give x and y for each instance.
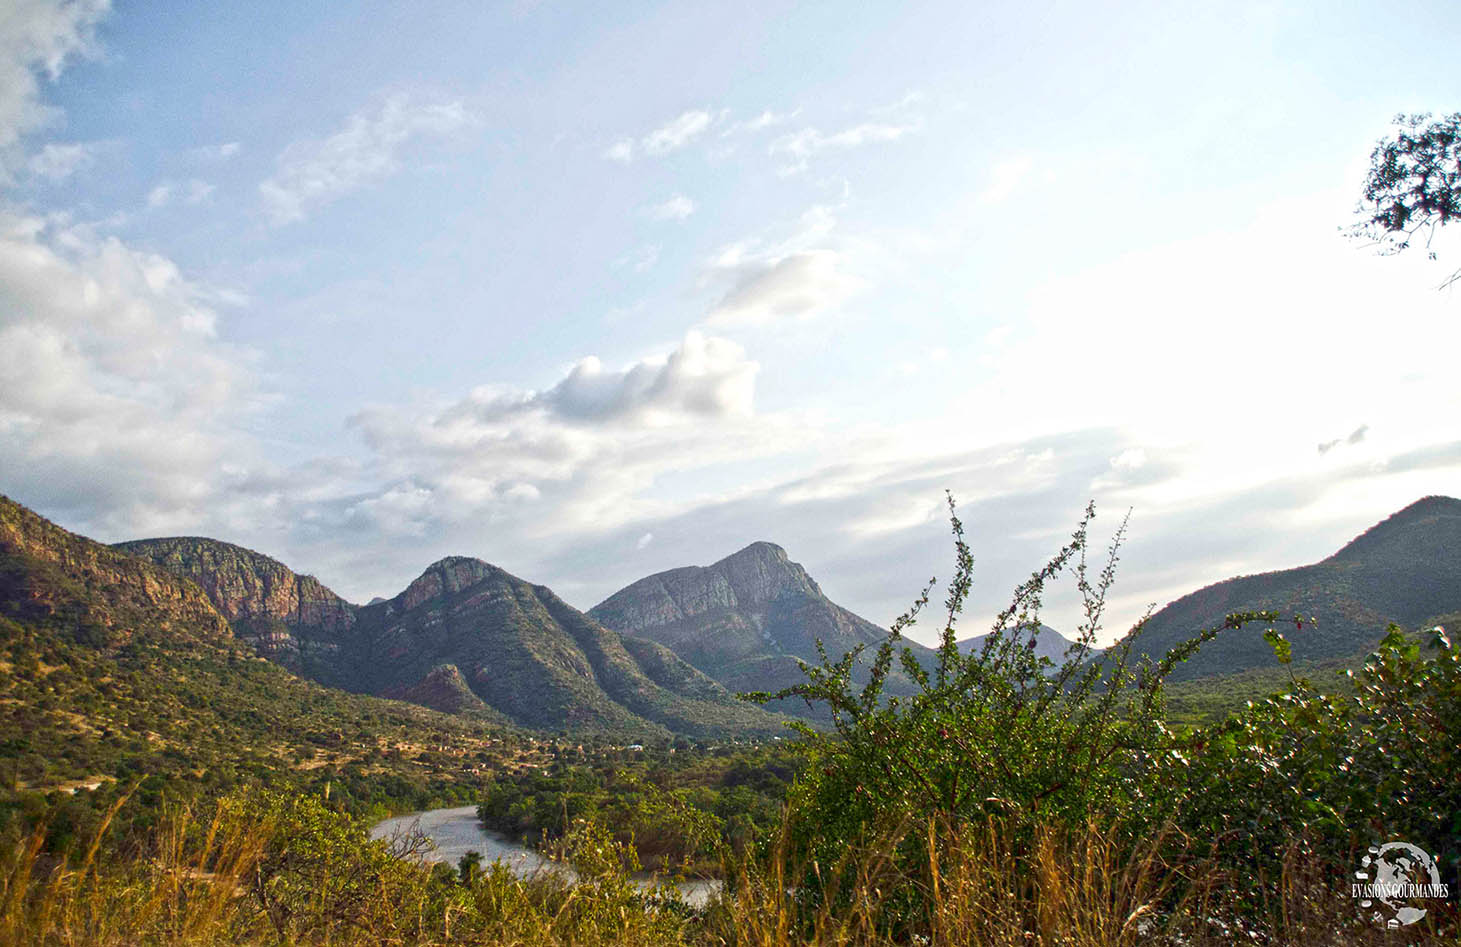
(1414, 183)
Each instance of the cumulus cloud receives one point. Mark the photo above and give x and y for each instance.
(676, 208)
(799, 284)
(671, 136)
(315, 172)
(677, 133)
(115, 387)
(37, 38)
(587, 446)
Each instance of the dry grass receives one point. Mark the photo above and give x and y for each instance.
(218, 880)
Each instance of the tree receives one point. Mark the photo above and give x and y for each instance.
(1414, 184)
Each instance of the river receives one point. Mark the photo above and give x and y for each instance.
(456, 832)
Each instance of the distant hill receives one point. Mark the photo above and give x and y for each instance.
(748, 620)
(465, 637)
(1405, 569)
(1049, 643)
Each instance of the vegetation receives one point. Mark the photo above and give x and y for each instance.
(1414, 184)
(679, 808)
(998, 742)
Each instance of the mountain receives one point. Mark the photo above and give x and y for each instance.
(291, 619)
(94, 595)
(1049, 643)
(116, 669)
(1405, 569)
(747, 621)
(464, 637)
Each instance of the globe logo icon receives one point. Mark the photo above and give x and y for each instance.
(1390, 877)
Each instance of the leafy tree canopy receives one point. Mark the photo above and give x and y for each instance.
(1414, 184)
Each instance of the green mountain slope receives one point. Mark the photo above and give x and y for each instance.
(1405, 569)
(748, 620)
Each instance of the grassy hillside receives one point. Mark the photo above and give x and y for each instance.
(1405, 569)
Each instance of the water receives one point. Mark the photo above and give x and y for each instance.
(456, 832)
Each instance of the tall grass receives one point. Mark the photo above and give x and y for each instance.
(255, 875)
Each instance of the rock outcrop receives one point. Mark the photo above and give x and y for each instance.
(291, 619)
(748, 620)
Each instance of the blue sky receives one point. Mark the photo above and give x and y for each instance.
(592, 295)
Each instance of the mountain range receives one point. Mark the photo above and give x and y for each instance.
(662, 655)
(464, 637)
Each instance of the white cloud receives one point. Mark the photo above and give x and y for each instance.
(676, 208)
(37, 38)
(583, 450)
(219, 152)
(671, 136)
(767, 119)
(312, 173)
(644, 541)
(191, 192)
(115, 392)
(641, 260)
(798, 284)
(57, 162)
(1133, 458)
(802, 146)
(621, 150)
(677, 133)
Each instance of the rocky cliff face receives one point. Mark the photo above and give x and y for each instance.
(747, 620)
(749, 580)
(48, 575)
(288, 618)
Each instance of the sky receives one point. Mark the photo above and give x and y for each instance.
(591, 292)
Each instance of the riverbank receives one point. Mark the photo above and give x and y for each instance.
(455, 831)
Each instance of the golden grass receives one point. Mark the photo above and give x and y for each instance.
(224, 879)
